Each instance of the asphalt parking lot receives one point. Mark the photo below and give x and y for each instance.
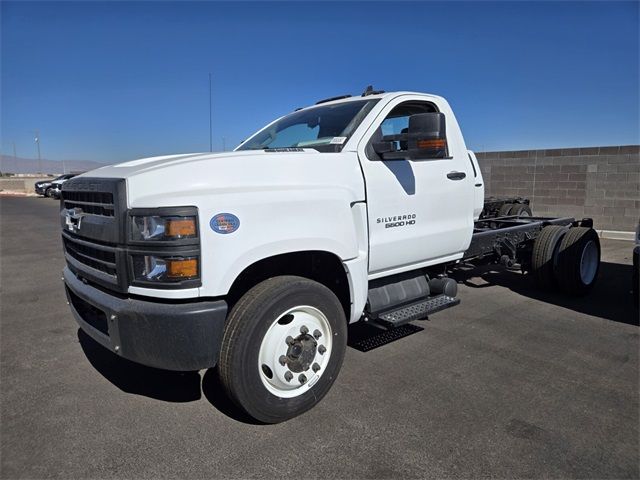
(512, 383)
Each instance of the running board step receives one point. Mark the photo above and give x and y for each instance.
(365, 337)
(415, 311)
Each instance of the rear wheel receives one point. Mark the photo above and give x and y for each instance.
(545, 255)
(504, 209)
(578, 260)
(521, 210)
(283, 347)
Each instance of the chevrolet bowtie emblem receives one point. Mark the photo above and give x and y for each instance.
(73, 218)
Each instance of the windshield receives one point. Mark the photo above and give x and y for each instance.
(325, 128)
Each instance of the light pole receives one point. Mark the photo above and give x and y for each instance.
(37, 140)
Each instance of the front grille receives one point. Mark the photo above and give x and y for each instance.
(90, 314)
(95, 203)
(102, 259)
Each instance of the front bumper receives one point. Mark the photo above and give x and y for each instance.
(173, 336)
(41, 189)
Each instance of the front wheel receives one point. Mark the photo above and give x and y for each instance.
(283, 347)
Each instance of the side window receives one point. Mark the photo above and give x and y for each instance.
(395, 127)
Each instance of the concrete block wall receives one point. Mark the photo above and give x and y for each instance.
(20, 184)
(598, 182)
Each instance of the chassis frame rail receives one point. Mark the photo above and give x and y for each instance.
(504, 235)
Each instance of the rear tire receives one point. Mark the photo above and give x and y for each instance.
(544, 255)
(504, 209)
(269, 366)
(578, 260)
(521, 210)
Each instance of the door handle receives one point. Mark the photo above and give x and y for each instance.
(456, 175)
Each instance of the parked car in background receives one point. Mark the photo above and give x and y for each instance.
(56, 185)
(44, 187)
(54, 190)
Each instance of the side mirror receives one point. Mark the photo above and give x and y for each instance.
(427, 137)
(383, 148)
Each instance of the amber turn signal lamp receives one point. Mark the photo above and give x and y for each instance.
(435, 144)
(180, 227)
(183, 268)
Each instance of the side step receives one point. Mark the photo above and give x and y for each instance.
(419, 310)
(364, 337)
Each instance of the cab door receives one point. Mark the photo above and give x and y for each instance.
(420, 211)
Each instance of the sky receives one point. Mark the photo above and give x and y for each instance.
(121, 80)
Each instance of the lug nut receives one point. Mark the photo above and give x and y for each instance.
(113, 317)
(304, 330)
(282, 360)
(322, 349)
(302, 378)
(315, 367)
(317, 334)
(288, 376)
(289, 340)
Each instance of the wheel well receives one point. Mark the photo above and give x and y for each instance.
(323, 267)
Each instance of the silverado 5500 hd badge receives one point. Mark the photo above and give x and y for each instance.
(398, 221)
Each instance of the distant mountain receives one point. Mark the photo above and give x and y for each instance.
(10, 164)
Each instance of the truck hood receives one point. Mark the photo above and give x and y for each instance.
(178, 179)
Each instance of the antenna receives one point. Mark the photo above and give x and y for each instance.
(370, 91)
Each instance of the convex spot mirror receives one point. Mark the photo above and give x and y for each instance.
(426, 138)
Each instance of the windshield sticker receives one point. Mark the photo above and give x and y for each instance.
(338, 140)
(224, 223)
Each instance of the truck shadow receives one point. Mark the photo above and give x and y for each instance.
(165, 385)
(214, 393)
(610, 298)
(138, 379)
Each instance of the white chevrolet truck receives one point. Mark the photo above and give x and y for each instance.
(257, 260)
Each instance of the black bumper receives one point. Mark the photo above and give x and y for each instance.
(166, 334)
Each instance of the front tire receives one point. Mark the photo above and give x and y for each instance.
(283, 347)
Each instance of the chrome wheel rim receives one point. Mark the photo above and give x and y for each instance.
(295, 351)
(589, 262)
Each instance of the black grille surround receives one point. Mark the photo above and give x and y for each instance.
(96, 235)
(96, 203)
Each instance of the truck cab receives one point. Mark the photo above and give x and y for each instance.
(257, 260)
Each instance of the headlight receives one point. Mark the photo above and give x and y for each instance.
(163, 228)
(151, 268)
